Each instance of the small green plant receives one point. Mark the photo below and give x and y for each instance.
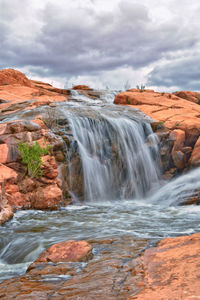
(141, 88)
(32, 157)
(128, 101)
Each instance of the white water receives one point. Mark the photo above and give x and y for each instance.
(178, 190)
(117, 162)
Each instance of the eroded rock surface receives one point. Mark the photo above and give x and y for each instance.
(117, 271)
(113, 273)
(172, 269)
(17, 92)
(17, 189)
(74, 251)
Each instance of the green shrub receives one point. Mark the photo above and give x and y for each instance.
(32, 157)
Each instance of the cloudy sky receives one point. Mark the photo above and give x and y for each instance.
(103, 42)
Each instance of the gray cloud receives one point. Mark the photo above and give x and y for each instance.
(70, 42)
(183, 73)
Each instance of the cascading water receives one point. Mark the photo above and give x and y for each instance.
(117, 161)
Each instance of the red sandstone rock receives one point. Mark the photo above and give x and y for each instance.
(188, 95)
(49, 167)
(178, 156)
(172, 269)
(11, 76)
(73, 251)
(16, 89)
(174, 111)
(4, 150)
(46, 198)
(195, 157)
(6, 214)
(7, 174)
(81, 87)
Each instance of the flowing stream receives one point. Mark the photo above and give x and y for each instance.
(123, 194)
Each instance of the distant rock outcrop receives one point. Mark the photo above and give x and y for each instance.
(188, 95)
(81, 87)
(11, 76)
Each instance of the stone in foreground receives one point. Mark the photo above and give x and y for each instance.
(69, 251)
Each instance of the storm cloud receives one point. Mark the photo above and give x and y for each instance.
(58, 39)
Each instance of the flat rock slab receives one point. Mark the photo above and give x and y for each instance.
(172, 269)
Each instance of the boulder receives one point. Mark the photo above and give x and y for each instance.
(48, 197)
(69, 251)
(178, 156)
(195, 157)
(49, 167)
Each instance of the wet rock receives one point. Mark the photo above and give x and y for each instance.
(169, 174)
(69, 251)
(59, 156)
(192, 200)
(6, 213)
(195, 157)
(114, 272)
(179, 159)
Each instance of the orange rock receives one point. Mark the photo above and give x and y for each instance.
(17, 200)
(7, 173)
(73, 251)
(11, 76)
(49, 167)
(173, 111)
(40, 122)
(188, 95)
(172, 269)
(6, 214)
(81, 87)
(4, 151)
(19, 92)
(178, 156)
(46, 198)
(195, 157)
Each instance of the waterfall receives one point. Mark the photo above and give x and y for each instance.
(178, 190)
(118, 152)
